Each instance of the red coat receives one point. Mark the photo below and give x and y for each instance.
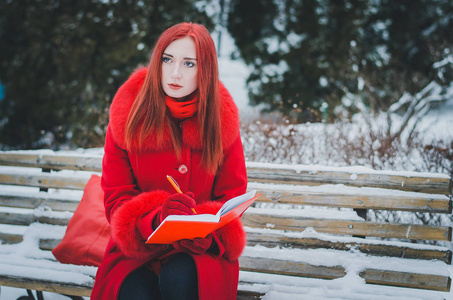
(135, 186)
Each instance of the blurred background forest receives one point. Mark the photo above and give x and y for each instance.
(61, 61)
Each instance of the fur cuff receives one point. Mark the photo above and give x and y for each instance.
(127, 219)
(232, 236)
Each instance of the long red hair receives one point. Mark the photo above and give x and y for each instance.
(149, 111)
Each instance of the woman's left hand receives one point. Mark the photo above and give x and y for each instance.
(197, 245)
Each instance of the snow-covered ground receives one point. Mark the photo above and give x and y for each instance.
(438, 123)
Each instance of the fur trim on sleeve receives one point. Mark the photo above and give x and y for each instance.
(126, 219)
(232, 235)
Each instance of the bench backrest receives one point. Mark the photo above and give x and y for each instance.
(272, 180)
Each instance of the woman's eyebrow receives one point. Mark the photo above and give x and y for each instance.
(184, 57)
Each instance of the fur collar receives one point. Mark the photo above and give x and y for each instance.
(125, 97)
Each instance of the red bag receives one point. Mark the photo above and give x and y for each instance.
(88, 231)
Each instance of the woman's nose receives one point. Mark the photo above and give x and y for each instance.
(176, 72)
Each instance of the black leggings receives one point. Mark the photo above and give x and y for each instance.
(177, 280)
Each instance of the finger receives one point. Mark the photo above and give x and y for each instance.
(190, 194)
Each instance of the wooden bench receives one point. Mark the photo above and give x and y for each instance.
(305, 226)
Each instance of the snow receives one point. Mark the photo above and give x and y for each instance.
(347, 288)
(308, 212)
(233, 74)
(354, 170)
(353, 261)
(350, 286)
(20, 191)
(436, 123)
(39, 269)
(311, 233)
(63, 173)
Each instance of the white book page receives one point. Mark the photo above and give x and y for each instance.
(192, 218)
(227, 206)
(236, 201)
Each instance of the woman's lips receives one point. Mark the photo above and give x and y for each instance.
(174, 86)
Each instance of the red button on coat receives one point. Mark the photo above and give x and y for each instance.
(183, 169)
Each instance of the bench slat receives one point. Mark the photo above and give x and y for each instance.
(276, 240)
(248, 295)
(420, 204)
(29, 218)
(388, 230)
(37, 200)
(55, 162)
(434, 185)
(274, 266)
(425, 184)
(44, 180)
(78, 290)
(348, 227)
(410, 280)
(48, 244)
(10, 238)
(46, 285)
(383, 277)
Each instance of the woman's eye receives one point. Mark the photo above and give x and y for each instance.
(166, 59)
(189, 64)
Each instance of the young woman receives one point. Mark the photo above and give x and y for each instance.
(172, 118)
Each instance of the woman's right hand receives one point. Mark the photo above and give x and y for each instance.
(178, 204)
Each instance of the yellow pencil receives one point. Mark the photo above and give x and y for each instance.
(176, 186)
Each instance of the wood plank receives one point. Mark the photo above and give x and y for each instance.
(431, 205)
(44, 180)
(416, 204)
(410, 280)
(426, 184)
(29, 218)
(37, 200)
(347, 227)
(10, 238)
(248, 295)
(48, 244)
(420, 204)
(283, 267)
(357, 228)
(435, 185)
(372, 276)
(81, 290)
(47, 285)
(54, 162)
(278, 240)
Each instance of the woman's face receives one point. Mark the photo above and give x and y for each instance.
(179, 68)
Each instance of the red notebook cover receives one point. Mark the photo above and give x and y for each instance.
(176, 227)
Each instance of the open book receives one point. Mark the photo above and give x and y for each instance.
(178, 227)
